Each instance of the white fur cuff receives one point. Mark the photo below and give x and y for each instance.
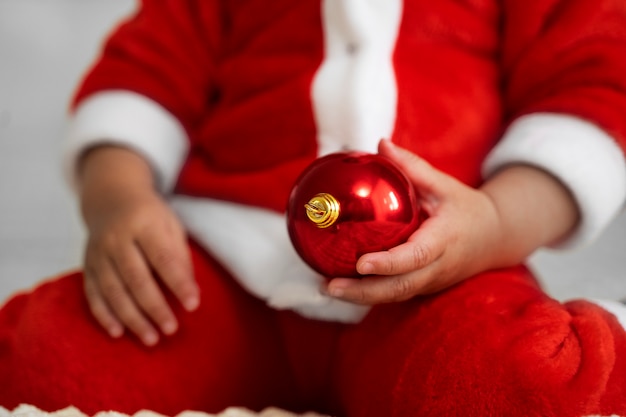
(131, 120)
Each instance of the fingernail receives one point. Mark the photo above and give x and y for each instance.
(191, 303)
(336, 292)
(116, 331)
(169, 327)
(392, 146)
(365, 268)
(150, 339)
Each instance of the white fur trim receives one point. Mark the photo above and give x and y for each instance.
(253, 244)
(614, 307)
(128, 119)
(354, 92)
(581, 155)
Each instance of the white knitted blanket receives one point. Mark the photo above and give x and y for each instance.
(25, 410)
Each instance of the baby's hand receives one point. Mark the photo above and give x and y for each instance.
(134, 237)
(454, 243)
(516, 211)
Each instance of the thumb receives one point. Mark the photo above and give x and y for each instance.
(424, 177)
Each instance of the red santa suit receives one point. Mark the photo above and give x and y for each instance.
(230, 101)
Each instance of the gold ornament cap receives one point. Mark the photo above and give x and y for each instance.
(323, 210)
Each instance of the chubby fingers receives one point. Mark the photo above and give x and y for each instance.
(123, 293)
(423, 248)
(429, 182)
(99, 306)
(112, 302)
(394, 275)
(122, 288)
(169, 257)
(378, 289)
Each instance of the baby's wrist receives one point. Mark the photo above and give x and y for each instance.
(112, 167)
(535, 208)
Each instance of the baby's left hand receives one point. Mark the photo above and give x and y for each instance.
(461, 237)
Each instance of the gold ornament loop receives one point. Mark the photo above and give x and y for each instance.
(323, 210)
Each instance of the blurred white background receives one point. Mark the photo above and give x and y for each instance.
(45, 46)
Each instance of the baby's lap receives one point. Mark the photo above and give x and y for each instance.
(504, 309)
(57, 308)
(53, 353)
(508, 302)
(497, 334)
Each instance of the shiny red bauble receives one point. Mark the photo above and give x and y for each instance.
(347, 204)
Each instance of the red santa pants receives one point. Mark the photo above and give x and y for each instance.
(494, 345)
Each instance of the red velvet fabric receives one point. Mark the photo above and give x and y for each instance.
(495, 345)
(238, 74)
(53, 353)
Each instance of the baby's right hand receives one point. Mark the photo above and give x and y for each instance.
(134, 240)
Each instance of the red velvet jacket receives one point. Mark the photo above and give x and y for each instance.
(244, 94)
(238, 75)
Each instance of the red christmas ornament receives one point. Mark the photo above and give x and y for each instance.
(347, 204)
